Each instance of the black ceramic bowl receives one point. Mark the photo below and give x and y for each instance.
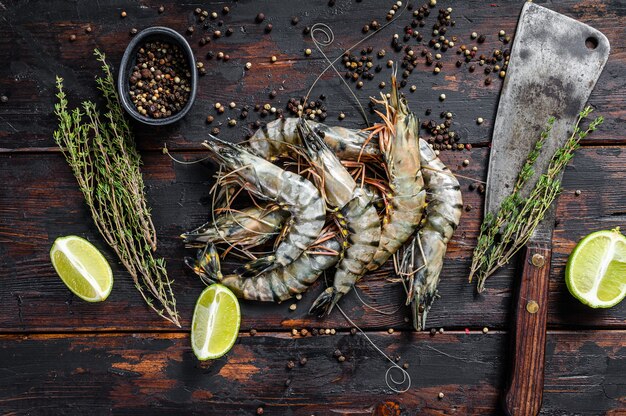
(128, 62)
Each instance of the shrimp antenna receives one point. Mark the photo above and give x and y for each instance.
(329, 37)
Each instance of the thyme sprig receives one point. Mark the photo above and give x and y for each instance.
(502, 235)
(101, 151)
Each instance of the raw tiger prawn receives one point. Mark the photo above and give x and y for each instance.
(355, 213)
(398, 136)
(423, 258)
(275, 285)
(289, 190)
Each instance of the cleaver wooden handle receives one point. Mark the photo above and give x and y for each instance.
(525, 389)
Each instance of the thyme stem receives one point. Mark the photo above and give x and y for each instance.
(101, 151)
(502, 235)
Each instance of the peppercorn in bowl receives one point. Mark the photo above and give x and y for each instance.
(157, 80)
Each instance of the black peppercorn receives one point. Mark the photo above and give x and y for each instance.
(260, 17)
(268, 28)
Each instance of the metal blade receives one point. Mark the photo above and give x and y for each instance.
(554, 64)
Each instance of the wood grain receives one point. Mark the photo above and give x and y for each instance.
(40, 202)
(38, 47)
(59, 355)
(158, 374)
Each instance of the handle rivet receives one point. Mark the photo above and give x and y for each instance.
(532, 306)
(538, 260)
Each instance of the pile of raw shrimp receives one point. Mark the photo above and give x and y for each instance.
(324, 197)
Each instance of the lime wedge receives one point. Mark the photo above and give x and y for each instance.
(596, 270)
(215, 323)
(83, 269)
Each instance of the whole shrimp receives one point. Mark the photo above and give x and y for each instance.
(356, 215)
(278, 137)
(290, 191)
(249, 227)
(423, 259)
(273, 286)
(400, 149)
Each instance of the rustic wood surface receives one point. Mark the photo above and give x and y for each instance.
(59, 355)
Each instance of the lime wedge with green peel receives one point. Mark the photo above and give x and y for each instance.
(215, 324)
(596, 269)
(83, 269)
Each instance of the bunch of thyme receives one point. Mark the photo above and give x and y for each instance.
(101, 151)
(502, 235)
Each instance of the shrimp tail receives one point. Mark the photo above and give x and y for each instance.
(421, 300)
(206, 264)
(256, 267)
(325, 302)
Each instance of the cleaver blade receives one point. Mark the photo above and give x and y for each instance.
(554, 65)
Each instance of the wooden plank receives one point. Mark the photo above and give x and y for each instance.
(40, 201)
(158, 374)
(36, 44)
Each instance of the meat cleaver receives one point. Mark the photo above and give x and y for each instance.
(554, 64)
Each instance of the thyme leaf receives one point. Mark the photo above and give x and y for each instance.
(101, 151)
(502, 235)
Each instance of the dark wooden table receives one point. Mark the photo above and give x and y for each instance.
(59, 355)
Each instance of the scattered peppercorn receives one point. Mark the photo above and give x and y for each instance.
(259, 411)
(390, 331)
(161, 9)
(440, 395)
(479, 120)
(209, 119)
(307, 51)
(273, 59)
(485, 330)
(578, 192)
(4, 99)
(252, 332)
(294, 20)
(88, 29)
(260, 17)
(303, 361)
(133, 31)
(248, 65)
(352, 331)
(123, 14)
(72, 38)
(268, 28)
(341, 358)
(215, 131)
(292, 307)
(442, 97)
(290, 364)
